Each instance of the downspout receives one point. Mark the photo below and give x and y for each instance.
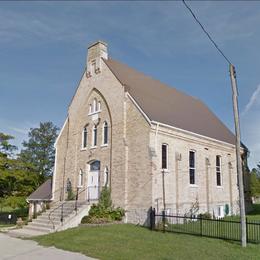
(207, 162)
(62, 197)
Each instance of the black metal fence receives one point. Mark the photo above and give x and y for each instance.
(228, 229)
(8, 218)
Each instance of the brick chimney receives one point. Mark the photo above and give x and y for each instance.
(96, 52)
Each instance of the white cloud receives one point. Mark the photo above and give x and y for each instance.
(255, 97)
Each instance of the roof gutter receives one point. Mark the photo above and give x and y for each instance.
(194, 134)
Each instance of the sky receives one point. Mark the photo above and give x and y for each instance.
(43, 49)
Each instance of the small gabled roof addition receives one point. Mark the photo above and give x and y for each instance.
(43, 193)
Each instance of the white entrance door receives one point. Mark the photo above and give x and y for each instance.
(93, 185)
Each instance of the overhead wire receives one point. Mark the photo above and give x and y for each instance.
(206, 32)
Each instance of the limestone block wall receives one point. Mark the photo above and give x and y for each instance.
(180, 194)
(139, 171)
(109, 91)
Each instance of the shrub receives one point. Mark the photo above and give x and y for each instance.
(206, 215)
(104, 211)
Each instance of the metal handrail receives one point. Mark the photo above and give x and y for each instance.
(63, 203)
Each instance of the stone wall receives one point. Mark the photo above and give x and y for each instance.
(180, 194)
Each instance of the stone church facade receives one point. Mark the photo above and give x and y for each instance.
(126, 130)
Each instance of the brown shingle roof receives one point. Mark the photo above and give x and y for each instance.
(167, 105)
(43, 192)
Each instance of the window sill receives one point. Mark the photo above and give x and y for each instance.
(83, 149)
(93, 113)
(93, 147)
(104, 145)
(165, 170)
(194, 186)
(220, 187)
(80, 186)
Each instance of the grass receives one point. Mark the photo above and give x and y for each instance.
(127, 241)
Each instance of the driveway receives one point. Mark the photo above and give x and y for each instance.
(15, 248)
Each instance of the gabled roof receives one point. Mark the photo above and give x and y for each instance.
(169, 106)
(43, 192)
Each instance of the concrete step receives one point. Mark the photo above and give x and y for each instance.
(44, 221)
(41, 225)
(39, 229)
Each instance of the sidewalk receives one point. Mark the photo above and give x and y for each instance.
(18, 249)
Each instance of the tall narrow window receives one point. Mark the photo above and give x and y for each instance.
(106, 176)
(164, 156)
(192, 167)
(85, 137)
(105, 133)
(80, 178)
(218, 170)
(90, 109)
(99, 105)
(94, 106)
(94, 136)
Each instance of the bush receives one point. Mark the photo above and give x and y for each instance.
(104, 211)
(15, 202)
(205, 215)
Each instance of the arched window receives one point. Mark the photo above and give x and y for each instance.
(99, 106)
(95, 166)
(85, 137)
(94, 136)
(105, 133)
(80, 184)
(90, 109)
(106, 176)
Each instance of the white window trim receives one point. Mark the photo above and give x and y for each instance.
(80, 179)
(195, 161)
(106, 180)
(167, 158)
(95, 112)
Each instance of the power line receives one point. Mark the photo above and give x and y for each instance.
(204, 30)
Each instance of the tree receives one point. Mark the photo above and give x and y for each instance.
(255, 182)
(17, 178)
(6, 149)
(39, 149)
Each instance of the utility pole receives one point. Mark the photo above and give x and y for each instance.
(238, 156)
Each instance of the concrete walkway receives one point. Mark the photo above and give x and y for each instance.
(14, 248)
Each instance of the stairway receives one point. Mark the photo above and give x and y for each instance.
(50, 220)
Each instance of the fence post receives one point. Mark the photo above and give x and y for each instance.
(152, 218)
(201, 226)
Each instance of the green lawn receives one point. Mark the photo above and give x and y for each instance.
(127, 241)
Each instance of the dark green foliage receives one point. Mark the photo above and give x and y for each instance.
(6, 148)
(105, 198)
(17, 178)
(104, 210)
(255, 182)
(39, 149)
(205, 215)
(71, 195)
